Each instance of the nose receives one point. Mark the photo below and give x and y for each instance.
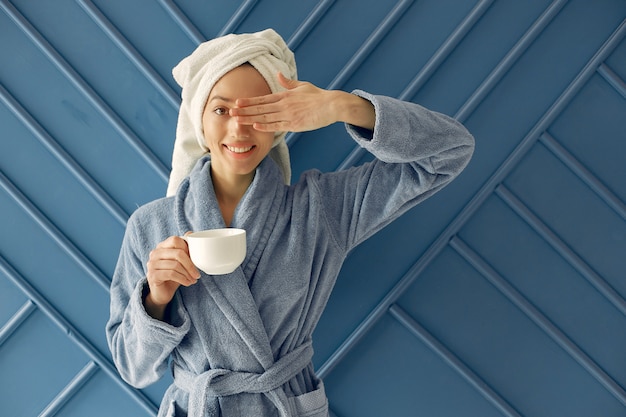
(237, 129)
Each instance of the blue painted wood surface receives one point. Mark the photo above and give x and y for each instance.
(503, 295)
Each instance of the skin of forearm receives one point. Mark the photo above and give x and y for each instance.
(354, 110)
(156, 311)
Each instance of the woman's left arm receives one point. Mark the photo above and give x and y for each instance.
(418, 152)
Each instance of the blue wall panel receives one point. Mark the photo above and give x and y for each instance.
(589, 126)
(503, 295)
(410, 367)
(549, 283)
(94, 400)
(37, 358)
(499, 342)
(571, 206)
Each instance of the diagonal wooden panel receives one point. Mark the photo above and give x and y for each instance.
(75, 115)
(501, 343)
(423, 383)
(39, 303)
(159, 83)
(70, 390)
(596, 113)
(87, 102)
(575, 205)
(585, 175)
(542, 321)
(16, 320)
(570, 322)
(455, 363)
(63, 157)
(210, 20)
(36, 349)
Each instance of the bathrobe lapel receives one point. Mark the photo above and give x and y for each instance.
(197, 209)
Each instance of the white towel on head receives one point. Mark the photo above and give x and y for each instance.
(197, 74)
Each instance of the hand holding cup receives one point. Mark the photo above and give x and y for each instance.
(168, 267)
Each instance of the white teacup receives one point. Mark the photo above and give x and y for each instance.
(217, 251)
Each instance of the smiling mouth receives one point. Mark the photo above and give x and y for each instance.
(236, 149)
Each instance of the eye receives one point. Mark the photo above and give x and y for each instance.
(220, 111)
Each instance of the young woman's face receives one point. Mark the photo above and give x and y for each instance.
(235, 149)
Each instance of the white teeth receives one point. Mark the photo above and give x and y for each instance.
(239, 150)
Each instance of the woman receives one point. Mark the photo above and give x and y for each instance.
(240, 345)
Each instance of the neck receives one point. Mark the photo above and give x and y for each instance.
(229, 190)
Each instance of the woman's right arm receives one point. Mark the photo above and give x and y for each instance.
(140, 344)
(169, 267)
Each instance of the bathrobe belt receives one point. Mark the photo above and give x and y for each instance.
(204, 388)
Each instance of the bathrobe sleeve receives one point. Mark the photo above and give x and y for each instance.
(417, 151)
(140, 345)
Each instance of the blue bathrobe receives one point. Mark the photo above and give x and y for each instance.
(240, 344)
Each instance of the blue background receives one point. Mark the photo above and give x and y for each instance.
(503, 295)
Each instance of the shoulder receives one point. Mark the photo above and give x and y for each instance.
(152, 211)
(153, 221)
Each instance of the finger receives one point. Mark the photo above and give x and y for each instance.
(178, 255)
(191, 268)
(287, 83)
(255, 101)
(163, 272)
(159, 265)
(184, 260)
(174, 242)
(250, 114)
(281, 126)
(265, 118)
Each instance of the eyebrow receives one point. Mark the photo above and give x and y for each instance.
(226, 99)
